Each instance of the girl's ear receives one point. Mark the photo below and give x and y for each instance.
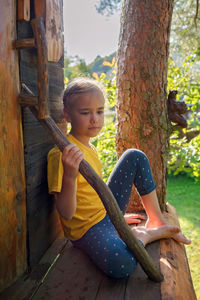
(67, 115)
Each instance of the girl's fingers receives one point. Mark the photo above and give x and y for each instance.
(72, 156)
(69, 148)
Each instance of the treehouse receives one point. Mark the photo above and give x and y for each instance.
(37, 262)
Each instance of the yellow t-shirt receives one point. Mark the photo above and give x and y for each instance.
(90, 210)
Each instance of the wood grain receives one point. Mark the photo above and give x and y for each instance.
(12, 182)
(177, 284)
(23, 10)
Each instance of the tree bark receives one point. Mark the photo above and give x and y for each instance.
(141, 84)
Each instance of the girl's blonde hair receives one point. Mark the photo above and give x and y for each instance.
(79, 86)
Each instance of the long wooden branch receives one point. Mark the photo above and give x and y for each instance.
(94, 180)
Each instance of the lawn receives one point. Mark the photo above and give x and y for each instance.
(184, 194)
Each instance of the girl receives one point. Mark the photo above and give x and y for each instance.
(83, 216)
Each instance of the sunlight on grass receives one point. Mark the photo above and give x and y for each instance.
(183, 194)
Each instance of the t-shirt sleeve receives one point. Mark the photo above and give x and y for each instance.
(54, 171)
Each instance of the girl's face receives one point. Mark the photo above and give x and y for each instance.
(86, 116)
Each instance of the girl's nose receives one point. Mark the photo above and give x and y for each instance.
(93, 118)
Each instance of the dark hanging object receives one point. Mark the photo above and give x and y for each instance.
(176, 109)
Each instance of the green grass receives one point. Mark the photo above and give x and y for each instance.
(184, 194)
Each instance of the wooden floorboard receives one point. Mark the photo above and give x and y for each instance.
(139, 287)
(28, 284)
(74, 277)
(112, 289)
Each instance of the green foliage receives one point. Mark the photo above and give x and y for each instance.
(185, 35)
(98, 65)
(105, 144)
(184, 153)
(75, 67)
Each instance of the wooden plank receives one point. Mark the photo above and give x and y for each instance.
(74, 277)
(23, 10)
(54, 29)
(42, 221)
(52, 13)
(174, 266)
(12, 183)
(111, 289)
(27, 285)
(40, 9)
(139, 286)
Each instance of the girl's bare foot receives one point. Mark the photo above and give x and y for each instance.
(134, 219)
(148, 235)
(179, 237)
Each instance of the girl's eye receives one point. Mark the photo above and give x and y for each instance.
(100, 112)
(84, 113)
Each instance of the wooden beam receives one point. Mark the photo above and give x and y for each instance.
(43, 87)
(51, 12)
(174, 266)
(27, 100)
(25, 44)
(23, 10)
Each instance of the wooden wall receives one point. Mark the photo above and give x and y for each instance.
(12, 179)
(42, 221)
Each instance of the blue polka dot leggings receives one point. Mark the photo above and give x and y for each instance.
(101, 242)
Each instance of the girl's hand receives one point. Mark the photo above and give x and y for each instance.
(71, 158)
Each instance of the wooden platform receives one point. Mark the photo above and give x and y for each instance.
(65, 273)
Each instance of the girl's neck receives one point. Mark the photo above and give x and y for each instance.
(83, 139)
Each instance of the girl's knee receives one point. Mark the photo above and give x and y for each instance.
(134, 154)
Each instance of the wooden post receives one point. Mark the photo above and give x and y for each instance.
(41, 44)
(23, 13)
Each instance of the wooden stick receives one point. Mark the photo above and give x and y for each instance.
(43, 87)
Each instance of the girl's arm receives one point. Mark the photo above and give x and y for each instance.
(66, 199)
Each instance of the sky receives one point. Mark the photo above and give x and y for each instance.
(87, 33)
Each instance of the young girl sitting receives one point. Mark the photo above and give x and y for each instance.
(83, 216)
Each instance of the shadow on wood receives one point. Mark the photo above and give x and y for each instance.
(73, 276)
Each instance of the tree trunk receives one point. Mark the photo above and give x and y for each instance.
(141, 83)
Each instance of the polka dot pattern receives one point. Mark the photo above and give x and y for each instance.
(102, 242)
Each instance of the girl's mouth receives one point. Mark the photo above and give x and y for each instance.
(93, 128)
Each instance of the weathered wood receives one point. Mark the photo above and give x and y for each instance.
(23, 10)
(139, 286)
(27, 285)
(43, 225)
(51, 11)
(25, 44)
(75, 277)
(177, 282)
(54, 30)
(12, 173)
(111, 289)
(41, 43)
(25, 100)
